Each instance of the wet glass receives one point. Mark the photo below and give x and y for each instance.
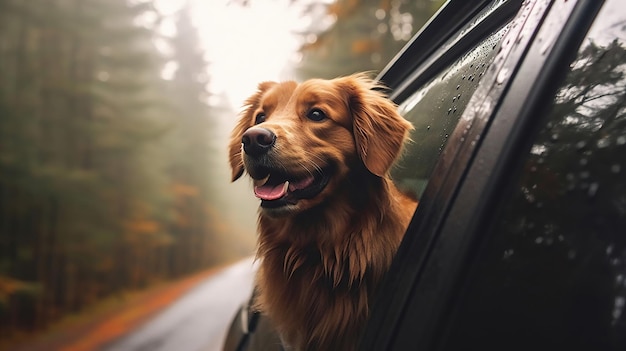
(435, 109)
(553, 273)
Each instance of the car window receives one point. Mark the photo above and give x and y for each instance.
(435, 110)
(552, 274)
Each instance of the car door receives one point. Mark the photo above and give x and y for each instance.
(468, 274)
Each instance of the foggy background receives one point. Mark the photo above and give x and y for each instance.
(114, 120)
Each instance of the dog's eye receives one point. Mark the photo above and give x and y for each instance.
(260, 118)
(316, 115)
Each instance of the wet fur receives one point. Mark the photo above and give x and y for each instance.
(321, 260)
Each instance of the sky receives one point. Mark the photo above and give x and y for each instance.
(248, 44)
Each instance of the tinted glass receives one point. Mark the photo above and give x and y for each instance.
(435, 110)
(553, 273)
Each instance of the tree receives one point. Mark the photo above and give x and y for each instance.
(364, 35)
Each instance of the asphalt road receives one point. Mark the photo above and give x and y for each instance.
(199, 319)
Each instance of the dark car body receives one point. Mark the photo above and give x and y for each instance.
(519, 242)
(519, 160)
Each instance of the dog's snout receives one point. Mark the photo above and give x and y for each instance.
(257, 141)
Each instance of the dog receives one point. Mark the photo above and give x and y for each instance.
(330, 217)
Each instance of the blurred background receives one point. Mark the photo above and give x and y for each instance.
(114, 119)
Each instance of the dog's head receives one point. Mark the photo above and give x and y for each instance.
(299, 142)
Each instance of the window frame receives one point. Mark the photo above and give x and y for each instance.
(509, 139)
(415, 299)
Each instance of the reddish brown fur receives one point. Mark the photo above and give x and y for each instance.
(321, 259)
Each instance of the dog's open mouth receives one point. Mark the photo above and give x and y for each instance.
(278, 190)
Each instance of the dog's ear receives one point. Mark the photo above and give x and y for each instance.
(246, 120)
(379, 131)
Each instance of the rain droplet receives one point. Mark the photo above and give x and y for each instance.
(428, 127)
(538, 240)
(583, 161)
(621, 140)
(545, 47)
(616, 168)
(581, 145)
(554, 137)
(507, 253)
(593, 189)
(502, 76)
(602, 143)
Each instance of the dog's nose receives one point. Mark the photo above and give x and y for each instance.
(257, 141)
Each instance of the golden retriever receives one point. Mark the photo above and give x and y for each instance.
(330, 218)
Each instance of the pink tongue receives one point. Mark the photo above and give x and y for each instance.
(270, 192)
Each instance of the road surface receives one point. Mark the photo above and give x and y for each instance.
(199, 319)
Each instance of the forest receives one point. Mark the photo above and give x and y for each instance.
(108, 163)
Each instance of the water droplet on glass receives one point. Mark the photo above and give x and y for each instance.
(593, 189)
(602, 143)
(616, 168)
(545, 47)
(571, 254)
(502, 76)
(554, 137)
(581, 145)
(507, 253)
(609, 249)
(621, 140)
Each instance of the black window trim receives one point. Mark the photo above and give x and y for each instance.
(406, 271)
(414, 66)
